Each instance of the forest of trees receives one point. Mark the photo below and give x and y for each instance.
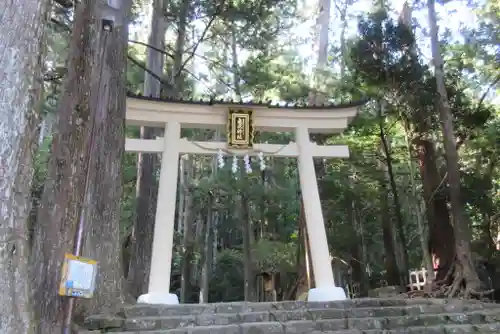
(420, 190)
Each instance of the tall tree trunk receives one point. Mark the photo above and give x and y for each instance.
(249, 286)
(424, 242)
(187, 220)
(235, 64)
(64, 191)
(208, 252)
(102, 234)
(179, 47)
(147, 164)
(304, 268)
(217, 213)
(356, 261)
(246, 221)
(342, 8)
(182, 195)
(441, 239)
(188, 240)
(461, 227)
(21, 49)
(441, 242)
(400, 244)
(487, 175)
(391, 265)
(363, 249)
(210, 245)
(323, 23)
(249, 277)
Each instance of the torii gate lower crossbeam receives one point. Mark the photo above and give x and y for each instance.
(172, 145)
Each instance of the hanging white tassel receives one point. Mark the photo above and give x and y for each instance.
(220, 159)
(234, 167)
(248, 164)
(262, 161)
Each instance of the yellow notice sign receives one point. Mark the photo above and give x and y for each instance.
(78, 277)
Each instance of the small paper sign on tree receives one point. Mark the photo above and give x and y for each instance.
(78, 277)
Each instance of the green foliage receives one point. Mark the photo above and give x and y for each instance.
(384, 56)
(273, 256)
(275, 76)
(227, 281)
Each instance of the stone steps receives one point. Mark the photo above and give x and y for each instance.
(242, 307)
(452, 329)
(369, 316)
(360, 325)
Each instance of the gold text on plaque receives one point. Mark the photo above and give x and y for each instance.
(240, 128)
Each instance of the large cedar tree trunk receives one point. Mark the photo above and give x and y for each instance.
(180, 43)
(85, 96)
(441, 239)
(102, 235)
(21, 35)
(63, 193)
(461, 228)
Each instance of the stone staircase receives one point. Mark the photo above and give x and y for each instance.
(367, 316)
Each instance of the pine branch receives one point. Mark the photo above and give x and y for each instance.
(200, 40)
(462, 141)
(152, 48)
(150, 72)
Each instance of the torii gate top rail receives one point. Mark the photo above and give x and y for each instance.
(147, 111)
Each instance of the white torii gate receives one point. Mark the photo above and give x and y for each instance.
(173, 115)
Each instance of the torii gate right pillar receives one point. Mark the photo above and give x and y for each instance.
(325, 285)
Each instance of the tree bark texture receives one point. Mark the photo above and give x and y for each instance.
(390, 263)
(208, 252)
(304, 269)
(94, 89)
(419, 208)
(400, 244)
(188, 238)
(180, 42)
(246, 233)
(22, 27)
(461, 228)
(441, 239)
(102, 233)
(63, 194)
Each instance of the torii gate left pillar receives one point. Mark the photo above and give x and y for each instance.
(172, 145)
(163, 237)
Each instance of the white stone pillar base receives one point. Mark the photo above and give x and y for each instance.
(159, 298)
(326, 294)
